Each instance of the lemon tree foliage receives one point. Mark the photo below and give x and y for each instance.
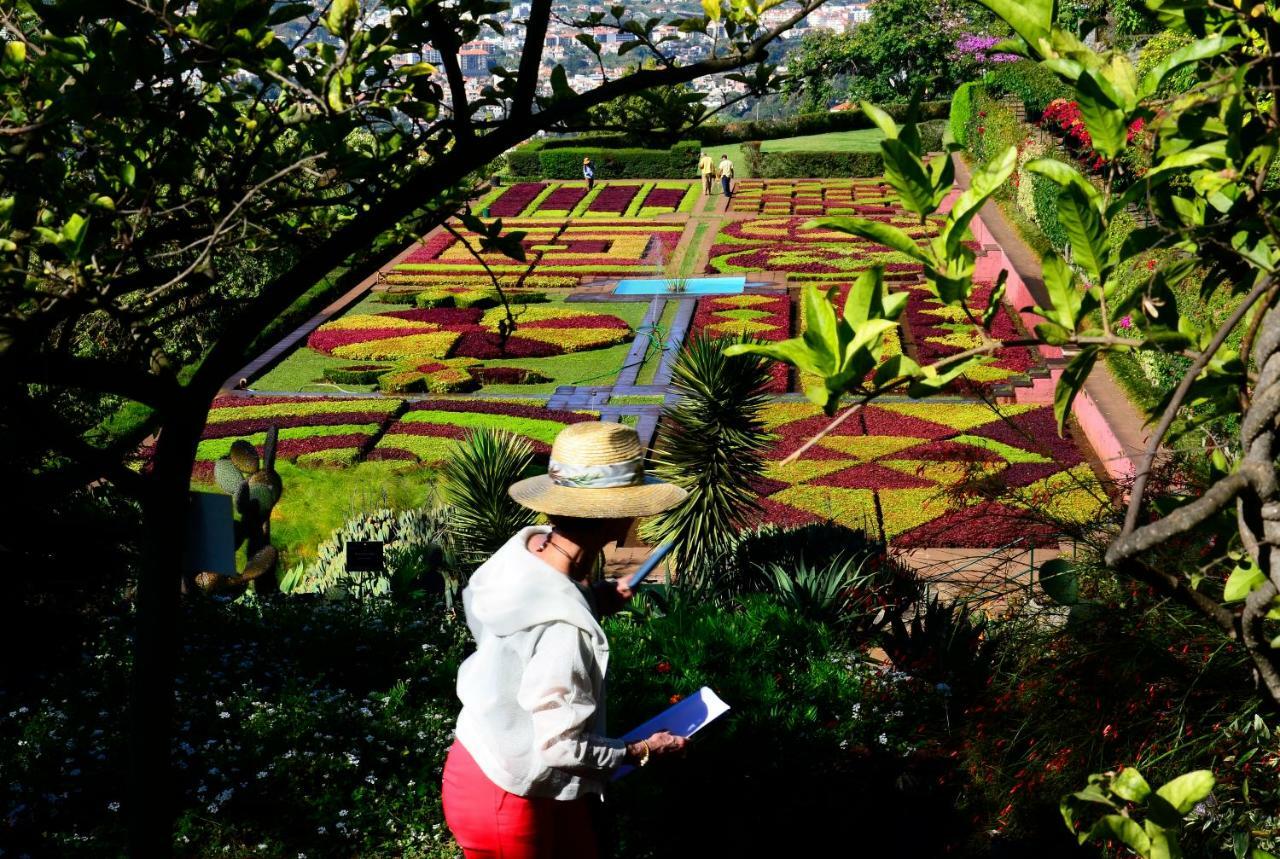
(176, 176)
(1210, 198)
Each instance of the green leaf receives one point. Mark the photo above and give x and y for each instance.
(882, 120)
(560, 83)
(128, 173)
(1065, 176)
(1162, 844)
(906, 174)
(1129, 785)
(985, 182)
(1059, 581)
(1030, 19)
(1102, 116)
(1196, 51)
(1064, 298)
(1084, 230)
(711, 8)
(289, 12)
(341, 17)
(1187, 789)
(876, 231)
(15, 52)
(1071, 383)
(1244, 579)
(1124, 829)
(996, 299)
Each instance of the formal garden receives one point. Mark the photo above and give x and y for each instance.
(972, 385)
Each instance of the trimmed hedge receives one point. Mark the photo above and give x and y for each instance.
(961, 110)
(678, 162)
(813, 165)
(811, 123)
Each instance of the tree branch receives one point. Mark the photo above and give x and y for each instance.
(1179, 396)
(535, 36)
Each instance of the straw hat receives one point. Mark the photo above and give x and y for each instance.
(597, 472)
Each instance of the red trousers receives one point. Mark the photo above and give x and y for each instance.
(490, 823)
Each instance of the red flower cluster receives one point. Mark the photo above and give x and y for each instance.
(563, 198)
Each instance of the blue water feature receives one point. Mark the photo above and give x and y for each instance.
(692, 286)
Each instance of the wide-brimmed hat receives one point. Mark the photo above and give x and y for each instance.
(597, 472)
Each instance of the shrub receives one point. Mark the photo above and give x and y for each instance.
(1045, 194)
(1031, 83)
(799, 165)
(475, 483)
(523, 161)
(678, 162)
(961, 109)
(1158, 49)
(811, 123)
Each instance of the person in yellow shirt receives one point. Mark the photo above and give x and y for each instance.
(726, 175)
(707, 169)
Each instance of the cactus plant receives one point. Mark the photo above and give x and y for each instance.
(255, 489)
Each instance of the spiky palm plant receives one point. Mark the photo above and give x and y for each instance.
(475, 484)
(712, 444)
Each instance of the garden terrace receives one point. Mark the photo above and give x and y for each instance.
(764, 317)
(931, 474)
(313, 431)
(814, 197)
(565, 248)
(428, 432)
(437, 348)
(561, 200)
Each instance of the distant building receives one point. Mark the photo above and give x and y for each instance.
(475, 59)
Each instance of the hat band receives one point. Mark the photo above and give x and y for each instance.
(627, 473)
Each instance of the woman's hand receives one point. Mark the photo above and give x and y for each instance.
(612, 595)
(659, 745)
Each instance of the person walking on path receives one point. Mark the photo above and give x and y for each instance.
(588, 173)
(726, 175)
(531, 757)
(707, 170)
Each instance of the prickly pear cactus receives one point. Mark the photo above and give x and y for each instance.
(255, 489)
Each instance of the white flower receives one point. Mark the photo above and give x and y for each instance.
(883, 739)
(113, 806)
(224, 715)
(342, 813)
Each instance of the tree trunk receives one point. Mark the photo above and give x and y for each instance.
(152, 797)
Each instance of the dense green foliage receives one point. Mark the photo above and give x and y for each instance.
(906, 51)
(961, 111)
(795, 165)
(800, 124)
(1031, 83)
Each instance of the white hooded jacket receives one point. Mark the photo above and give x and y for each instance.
(533, 692)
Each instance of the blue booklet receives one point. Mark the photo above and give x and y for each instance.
(684, 718)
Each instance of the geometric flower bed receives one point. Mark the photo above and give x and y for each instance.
(429, 432)
(813, 197)
(429, 335)
(782, 244)
(313, 431)
(764, 317)
(606, 200)
(938, 330)
(911, 473)
(569, 250)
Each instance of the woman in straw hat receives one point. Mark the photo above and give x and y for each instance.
(531, 753)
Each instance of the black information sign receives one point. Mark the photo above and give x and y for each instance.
(365, 556)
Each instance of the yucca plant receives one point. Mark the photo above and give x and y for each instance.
(945, 642)
(475, 484)
(712, 444)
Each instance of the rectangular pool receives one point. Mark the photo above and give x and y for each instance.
(693, 286)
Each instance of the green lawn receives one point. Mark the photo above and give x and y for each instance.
(863, 140)
(318, 500)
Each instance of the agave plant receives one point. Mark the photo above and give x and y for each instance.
(945, 642)
(856, 594)
(475, 484)
(712, 444)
